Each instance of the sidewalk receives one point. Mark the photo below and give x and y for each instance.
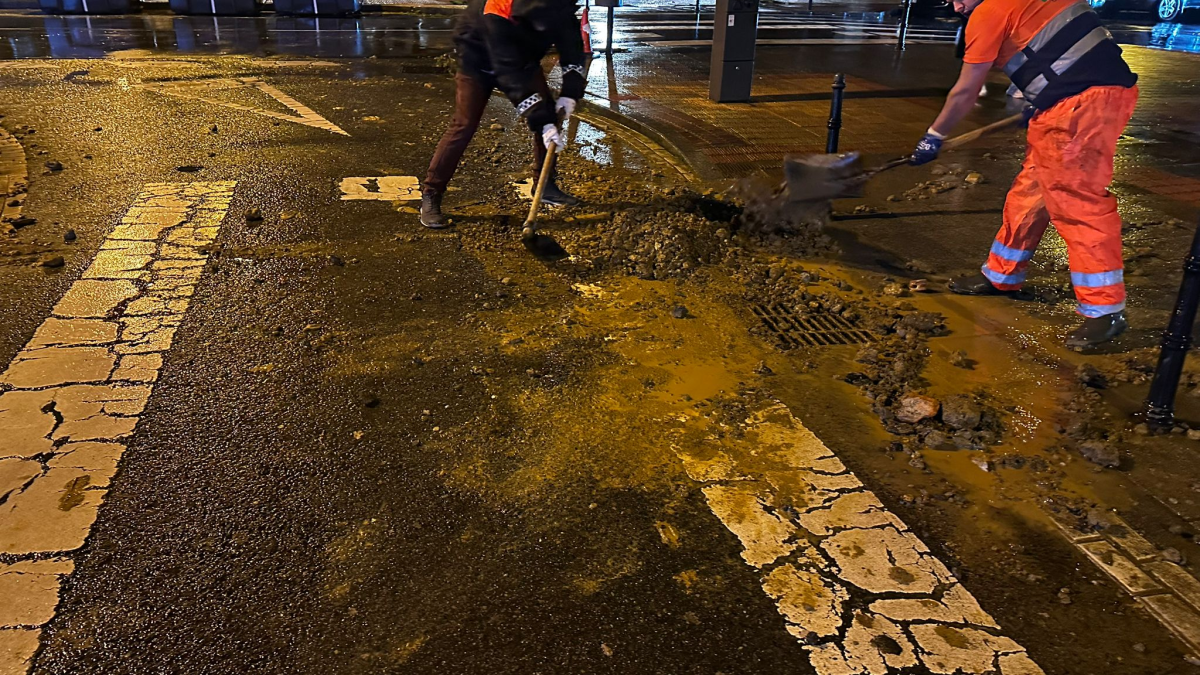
(891, 98)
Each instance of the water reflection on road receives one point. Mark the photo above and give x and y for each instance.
(26, 36)
(1178, 37)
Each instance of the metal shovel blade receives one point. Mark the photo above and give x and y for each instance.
(544, 247)
(817, 178)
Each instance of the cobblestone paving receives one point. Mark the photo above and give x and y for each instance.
(77, 389)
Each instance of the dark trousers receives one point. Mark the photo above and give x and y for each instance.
(471, 95)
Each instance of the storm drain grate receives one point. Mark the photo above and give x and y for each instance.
(820, 329)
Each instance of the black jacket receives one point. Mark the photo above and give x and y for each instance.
(507, 39)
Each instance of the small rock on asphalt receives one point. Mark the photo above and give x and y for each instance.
(1090, 376)
(69, 235)
(497, 127)
(959, 359)
(189, 168)
(961, 413)
(1101, 453)
(1064, 596)
(1172, 555)
(914, 408)
(54, 262)
(54, 165)
(254, 214)
(973, 178)
(336, 261)
(1193, 434)
(679, 312)
(936, 440)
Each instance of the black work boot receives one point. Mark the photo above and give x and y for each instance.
(556, 197)
(1097, 331)
(976, 284)
(431, 211)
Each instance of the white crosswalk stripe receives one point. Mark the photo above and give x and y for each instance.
(810, 30)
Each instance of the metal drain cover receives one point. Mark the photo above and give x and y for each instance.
(819, 329)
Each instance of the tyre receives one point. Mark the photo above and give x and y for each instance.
(1169, 10)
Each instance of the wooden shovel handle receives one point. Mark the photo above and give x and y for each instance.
(543, 178)
(982, 131)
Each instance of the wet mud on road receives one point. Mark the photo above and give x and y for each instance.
(373, 448)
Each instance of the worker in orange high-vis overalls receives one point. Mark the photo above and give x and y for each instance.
(1081, 94)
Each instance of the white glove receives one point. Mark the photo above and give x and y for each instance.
(552, 136)
(565, 107)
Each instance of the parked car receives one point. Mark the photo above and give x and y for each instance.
(1165, 10)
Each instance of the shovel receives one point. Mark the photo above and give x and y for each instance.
(812, 179)
(540, 245)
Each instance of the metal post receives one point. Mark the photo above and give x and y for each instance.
(1177, 339)
(902, 32)
(835, 113)
(731, 65)
(608, 44)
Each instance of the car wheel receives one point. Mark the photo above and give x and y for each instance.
(1170, 10)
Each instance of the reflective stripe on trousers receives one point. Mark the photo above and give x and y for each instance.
(1068, 167)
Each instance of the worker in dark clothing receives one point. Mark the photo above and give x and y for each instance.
(501, 44)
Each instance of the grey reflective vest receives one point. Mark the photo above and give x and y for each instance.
(1070, 54)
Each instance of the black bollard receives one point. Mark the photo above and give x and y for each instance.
(902, 32)
(1177, 339)
(609, 26)
(835, 113)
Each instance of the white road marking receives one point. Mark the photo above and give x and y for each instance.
(77, 389)
(855, 586)
(383, 188)
(198, 90)
(524, 188)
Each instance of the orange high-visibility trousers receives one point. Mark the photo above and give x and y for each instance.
(1068, 167)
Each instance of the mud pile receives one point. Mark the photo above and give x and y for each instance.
(891, 378)
(656, 243)
(666, 232)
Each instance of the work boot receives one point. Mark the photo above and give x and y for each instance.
(1097, 331)
(431, 211)
(556, 197)
(976, 284)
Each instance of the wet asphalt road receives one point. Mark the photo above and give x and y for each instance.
(274, 522)
(290, 502)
